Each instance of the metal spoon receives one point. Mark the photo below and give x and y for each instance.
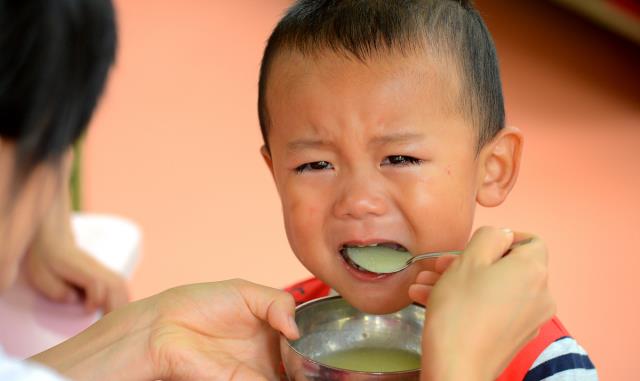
(389, 267)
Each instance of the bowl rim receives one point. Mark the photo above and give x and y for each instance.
(307, 358)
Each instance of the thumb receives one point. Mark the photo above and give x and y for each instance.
(274, 306)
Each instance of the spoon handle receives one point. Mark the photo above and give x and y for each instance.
(458, 252)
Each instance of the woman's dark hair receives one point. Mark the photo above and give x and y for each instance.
(54, 59)
(365, 28)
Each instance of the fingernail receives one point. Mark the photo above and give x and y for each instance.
(294, 326)
(507, 230)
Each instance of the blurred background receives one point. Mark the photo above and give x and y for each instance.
(175, 147)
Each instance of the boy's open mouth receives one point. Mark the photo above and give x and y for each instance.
(365, 272)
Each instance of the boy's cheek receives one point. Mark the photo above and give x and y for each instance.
(305, 206)
(300, 214)
(303, 226)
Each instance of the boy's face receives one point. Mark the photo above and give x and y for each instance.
(370, 153)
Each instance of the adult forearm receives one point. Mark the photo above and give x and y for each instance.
(114, 348)
(445, 359)
(452, 372)
(451, 369)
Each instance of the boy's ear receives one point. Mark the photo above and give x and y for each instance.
(499, 166)
(266, 156)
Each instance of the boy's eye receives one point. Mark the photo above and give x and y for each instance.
(400, 160)
(314, 166)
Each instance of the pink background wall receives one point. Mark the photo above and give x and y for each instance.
(175, 147)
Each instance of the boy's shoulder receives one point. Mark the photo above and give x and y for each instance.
(563, 360)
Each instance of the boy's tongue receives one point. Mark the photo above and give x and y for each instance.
(378, 259)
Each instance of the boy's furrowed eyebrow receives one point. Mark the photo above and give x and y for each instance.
(300, 144)
(399, 137)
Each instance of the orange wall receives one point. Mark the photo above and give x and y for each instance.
(175, 147)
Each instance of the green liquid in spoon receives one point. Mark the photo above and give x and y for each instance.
(373, 360)
(378, 259)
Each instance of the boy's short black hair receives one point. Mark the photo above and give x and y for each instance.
(363, 28)
(54, 59)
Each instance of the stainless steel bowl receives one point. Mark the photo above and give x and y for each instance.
(330, 324)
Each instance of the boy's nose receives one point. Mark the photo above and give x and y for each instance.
(360, 198)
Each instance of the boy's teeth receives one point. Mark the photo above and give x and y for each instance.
(389, 245)
(393, 246)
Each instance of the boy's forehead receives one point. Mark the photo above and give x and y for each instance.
(384, 86)
(291, 69)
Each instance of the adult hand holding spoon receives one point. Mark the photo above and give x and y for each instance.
(483, 306)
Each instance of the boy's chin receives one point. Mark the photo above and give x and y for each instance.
(376, 304)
